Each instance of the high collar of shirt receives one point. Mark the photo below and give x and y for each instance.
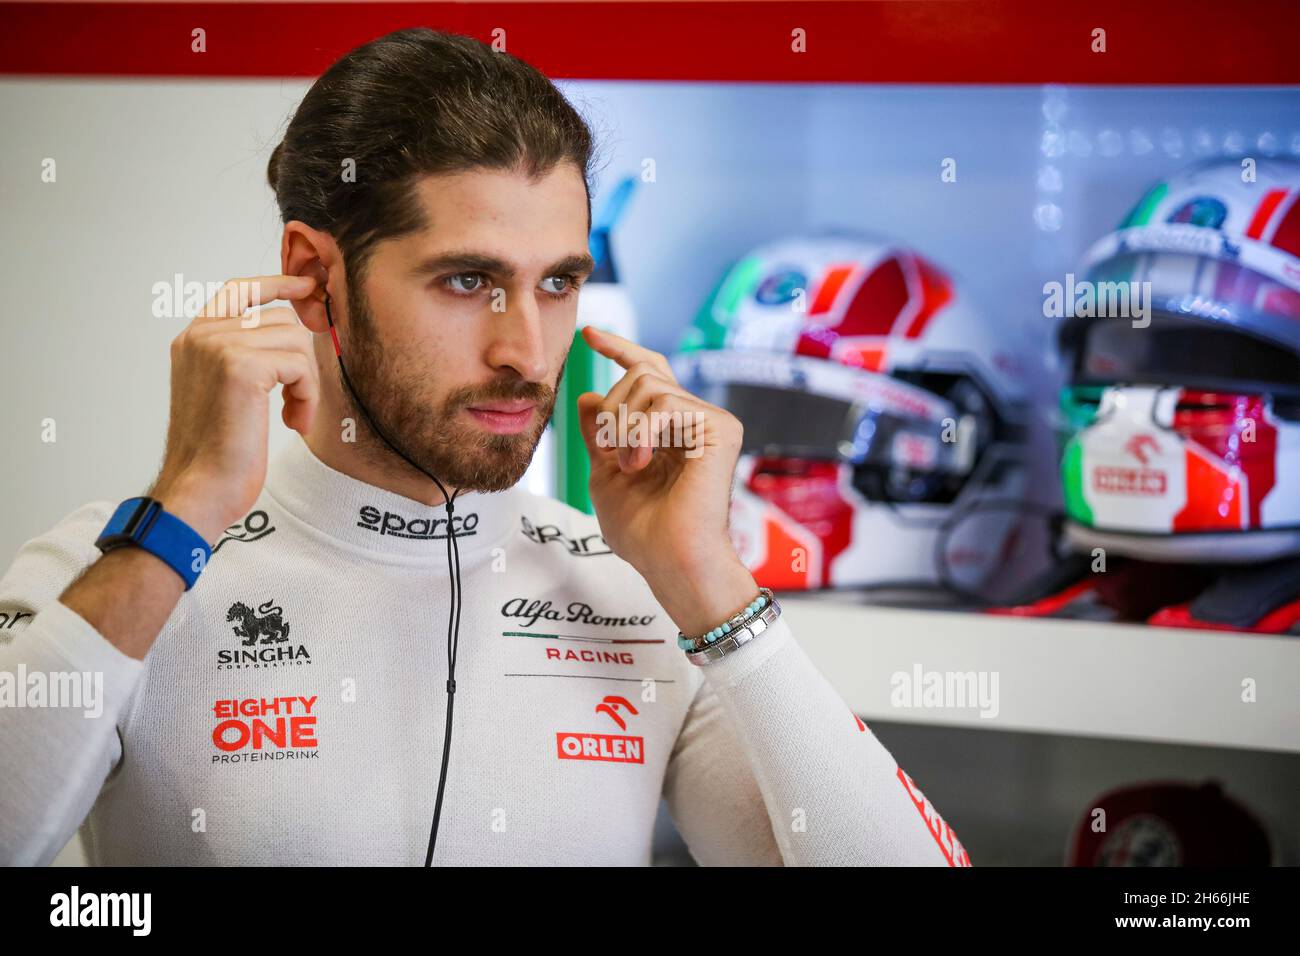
(377, 520)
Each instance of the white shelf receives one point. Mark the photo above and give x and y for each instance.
(1062, 677)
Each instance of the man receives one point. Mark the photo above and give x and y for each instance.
(286, 698)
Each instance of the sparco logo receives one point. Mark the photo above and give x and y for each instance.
(264, 636)
(577, 611)
(256, 525)
(589, 545)
(385, 522)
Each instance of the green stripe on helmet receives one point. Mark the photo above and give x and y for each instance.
(1079, 405)
(709, 328)
(1141, 214)
(1076, 505)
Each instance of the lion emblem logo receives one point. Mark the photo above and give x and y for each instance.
(266, 622)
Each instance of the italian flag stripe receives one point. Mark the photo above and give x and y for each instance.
(1141, 214)
(1076, 505)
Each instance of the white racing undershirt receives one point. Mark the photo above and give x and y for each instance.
(291, 710)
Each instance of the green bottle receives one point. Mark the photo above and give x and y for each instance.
(604, 303)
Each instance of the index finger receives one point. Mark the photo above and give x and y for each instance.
(236, 296)
(626, 352)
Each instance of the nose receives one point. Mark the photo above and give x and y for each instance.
(516, 340)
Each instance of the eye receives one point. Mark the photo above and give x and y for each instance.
(568, 285)
(456, 285)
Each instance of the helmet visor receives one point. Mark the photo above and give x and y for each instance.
(1176, 351)
(805, 407)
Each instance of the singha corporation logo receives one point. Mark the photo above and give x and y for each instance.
(266, 633)
(270, 626)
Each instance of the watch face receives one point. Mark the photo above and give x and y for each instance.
(144, 512)
(142, 518)
(108, 542)
(116, 539)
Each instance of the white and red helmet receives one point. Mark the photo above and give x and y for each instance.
(1184, 413)
(877, 405)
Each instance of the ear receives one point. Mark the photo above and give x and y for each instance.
(308, 251)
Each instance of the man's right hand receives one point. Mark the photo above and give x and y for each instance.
(224, 365)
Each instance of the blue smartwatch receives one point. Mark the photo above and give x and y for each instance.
(143, 523)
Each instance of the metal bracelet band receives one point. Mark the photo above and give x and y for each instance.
(738, 637)
(737, 620)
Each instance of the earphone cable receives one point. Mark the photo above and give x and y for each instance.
(453, 567)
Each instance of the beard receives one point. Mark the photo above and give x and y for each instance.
(396, 391)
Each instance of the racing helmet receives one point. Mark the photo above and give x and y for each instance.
(876, 406)
(1182, 408)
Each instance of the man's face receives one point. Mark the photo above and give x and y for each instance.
(475, 313)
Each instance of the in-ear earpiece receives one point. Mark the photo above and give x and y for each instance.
(323, 278)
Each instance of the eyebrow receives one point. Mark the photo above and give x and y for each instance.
(465, 261)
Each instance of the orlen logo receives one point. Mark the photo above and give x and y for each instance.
(1139, 445)
(1118, 480)
(949, 845)
(611, 748)
(394, 525)
(1130, 481)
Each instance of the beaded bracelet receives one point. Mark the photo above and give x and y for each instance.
(736, 631)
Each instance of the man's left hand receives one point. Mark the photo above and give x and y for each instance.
(662, 491)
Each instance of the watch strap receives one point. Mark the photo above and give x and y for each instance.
(143, 522)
